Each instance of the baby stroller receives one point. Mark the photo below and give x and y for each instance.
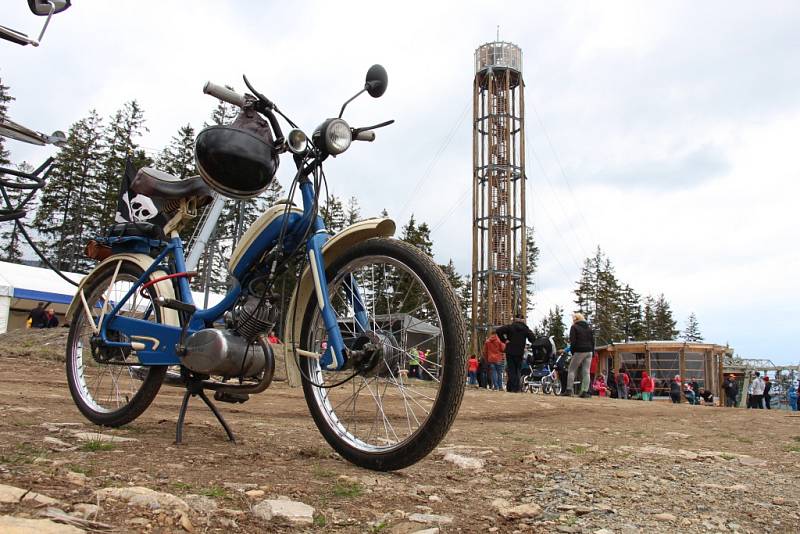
(542, 375)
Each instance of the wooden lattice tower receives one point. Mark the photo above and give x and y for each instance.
(498, 192)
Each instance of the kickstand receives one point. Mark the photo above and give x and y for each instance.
(194, 387)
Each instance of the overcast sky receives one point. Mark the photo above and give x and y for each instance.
(664, 133)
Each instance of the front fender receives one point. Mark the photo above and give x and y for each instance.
(331, 251)
(163, 288)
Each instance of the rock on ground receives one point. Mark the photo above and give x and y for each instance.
(13, 495)
(464, 462)
(139, 496)
(97, 436)
(294, 511)
(430, 518)
(19, 525)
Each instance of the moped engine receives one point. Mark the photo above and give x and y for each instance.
(223, 352)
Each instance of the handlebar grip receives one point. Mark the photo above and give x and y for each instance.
(224, 94)
(365, 135)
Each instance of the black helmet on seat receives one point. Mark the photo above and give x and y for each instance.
(235, 162)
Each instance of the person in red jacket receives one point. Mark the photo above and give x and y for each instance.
(472, 370)
(623, 382)
(647, 386)
(493, 349)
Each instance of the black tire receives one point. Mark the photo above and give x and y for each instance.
(556, 388)
(445, 368)
(143, 382)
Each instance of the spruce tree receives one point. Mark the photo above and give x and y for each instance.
(466, 300)
(72, 199)
(353, 212)
(178, 157)
(418, 235)
(333, 214)
(664, 323)
(5, 99)
(119, 137)
(649, 319)
(552, 324)
(11, 238)
(691, 334)
(630, 315)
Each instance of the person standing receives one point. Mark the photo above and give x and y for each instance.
(483, 373)
(493, 349)
(581, 339)
(472, 370)
(413, 363)
(767, 396)
(731, 391)
(647, 386)
(36, 316)
(792, 395)
(515, 335)
(757, 397)
(675, 390)
(623, 381)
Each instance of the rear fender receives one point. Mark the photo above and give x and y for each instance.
(163, 288)
(331, 251)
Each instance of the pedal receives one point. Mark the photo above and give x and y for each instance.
(177, 305)
(233, 398)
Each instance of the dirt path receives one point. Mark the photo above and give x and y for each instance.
(549, 465)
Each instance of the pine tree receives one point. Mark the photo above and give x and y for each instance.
(11, 237)
(332, 212)
(353, 212)
(649, 319)
(664, 323)
(691, 334)
(630, 315)
(11, 250)
(466, 300)
(598, 297)
(5, 98)
(71, 200)
(552, 324)
(418, 235)
(178, 157)
(223, 114)
(125, 126)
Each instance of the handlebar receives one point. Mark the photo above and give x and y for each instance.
(224, 94)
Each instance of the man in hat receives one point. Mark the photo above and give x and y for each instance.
(731, 391)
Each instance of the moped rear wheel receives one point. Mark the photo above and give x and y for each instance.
(388, 416)
(105, 382)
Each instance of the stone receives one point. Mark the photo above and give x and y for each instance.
(465, 462)
(434, 498)
(521, 511)
(434, 530)
(19, 525)
(79, 479)
(145, 497)
(430, 518)
(778, 501)
(664, 517)
(240, 486)
(255, 493)
(185, 523)
(97, 436)
(86, 510)
(753, 462)
(56, 444)
(294, 511)
(200, 503)
(13, 495)
(603, 531)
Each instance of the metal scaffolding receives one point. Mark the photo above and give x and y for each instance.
(498, 192)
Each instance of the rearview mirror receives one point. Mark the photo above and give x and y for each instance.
(42, 7)
(377, 81)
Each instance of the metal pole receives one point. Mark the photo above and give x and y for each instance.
(206, 230)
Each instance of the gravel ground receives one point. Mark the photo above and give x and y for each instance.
(512, 462)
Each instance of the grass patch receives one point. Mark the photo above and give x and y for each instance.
(213, 491)
(579, 450)
(320, 521)
(740, 439)
(378, 528)
(321, 472)
(22, 454)
(727, 456)
(347, 489)
(97, 446)
(796, 438)
(182, 486)
(79, 469)
(793, 448)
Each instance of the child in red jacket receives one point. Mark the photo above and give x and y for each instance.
(647, 386)
(472, 370)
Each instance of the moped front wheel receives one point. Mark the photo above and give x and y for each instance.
(385, 415)
(106, 384)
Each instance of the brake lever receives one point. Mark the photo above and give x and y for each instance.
(357, 131)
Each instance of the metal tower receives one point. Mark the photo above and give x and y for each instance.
(498, 190)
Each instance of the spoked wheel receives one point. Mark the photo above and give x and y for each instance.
(380, 417)
(547, 387)
(105, 382)
(556, 388)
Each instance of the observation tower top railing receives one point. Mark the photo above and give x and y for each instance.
(498, 54)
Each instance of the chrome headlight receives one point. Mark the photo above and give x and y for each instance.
(334, 136)
(297, 142)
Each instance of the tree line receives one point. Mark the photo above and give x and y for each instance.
(79, 201)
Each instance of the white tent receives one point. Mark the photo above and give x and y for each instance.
(22, 286)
